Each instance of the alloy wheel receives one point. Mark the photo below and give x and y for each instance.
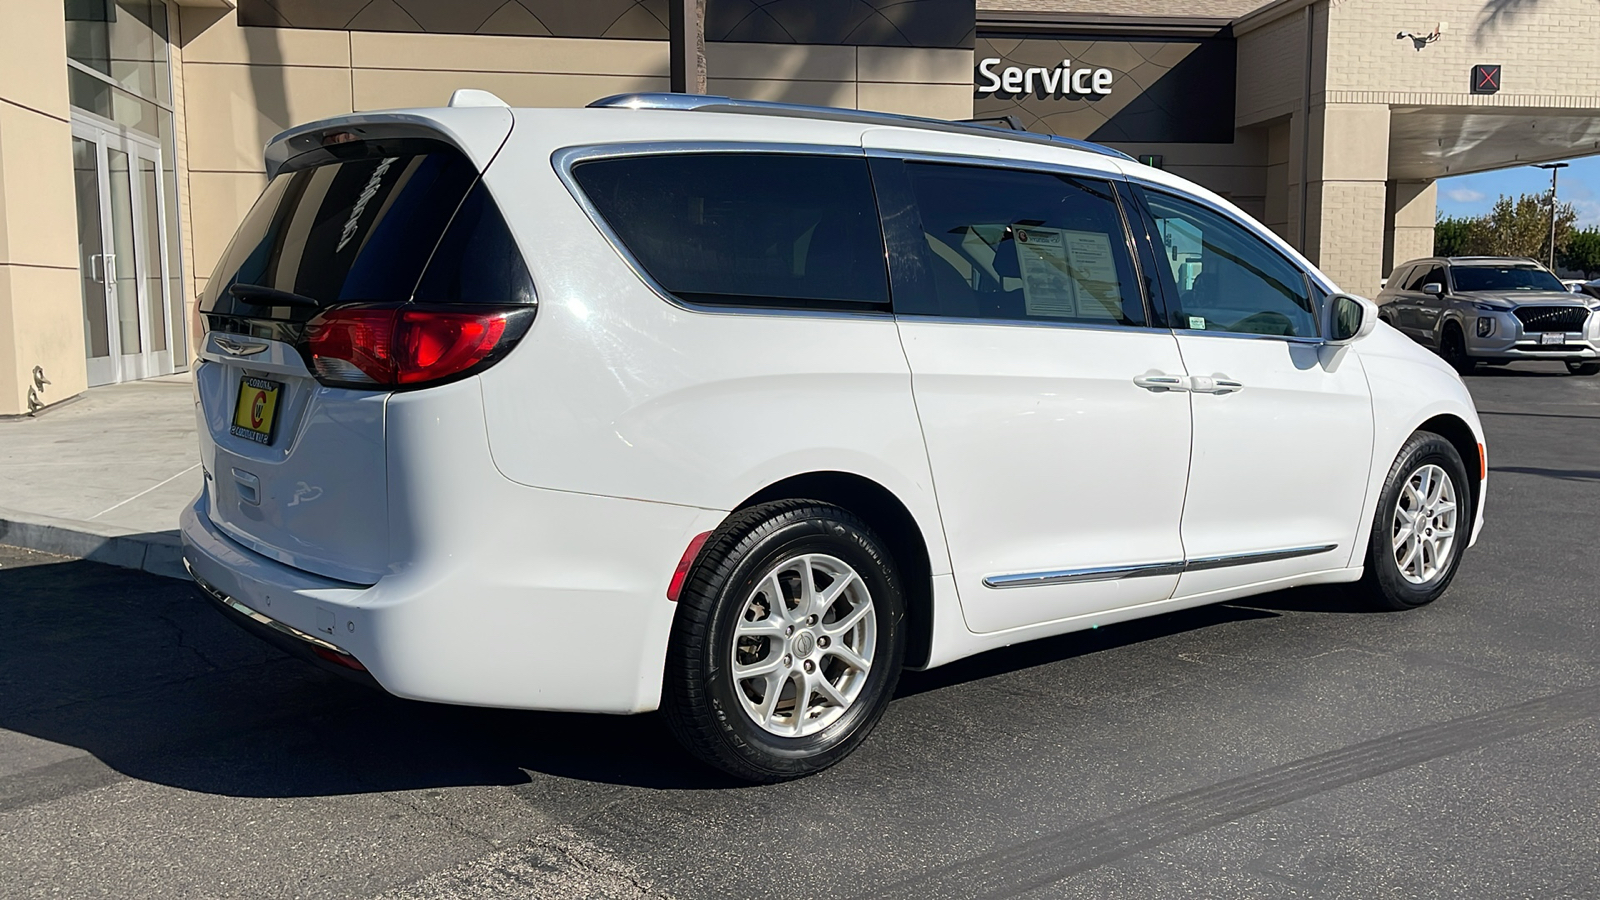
(803, 645)
(1423, 532)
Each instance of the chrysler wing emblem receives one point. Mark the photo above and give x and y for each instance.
(239, 348)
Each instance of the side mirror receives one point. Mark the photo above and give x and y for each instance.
(1433, 288)
(1350, 318)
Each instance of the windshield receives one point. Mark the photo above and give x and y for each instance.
(1505, 278)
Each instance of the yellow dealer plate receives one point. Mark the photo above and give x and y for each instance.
(256, 413)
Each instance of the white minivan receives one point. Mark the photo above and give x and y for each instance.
(734, 409)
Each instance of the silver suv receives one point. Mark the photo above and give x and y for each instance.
(1494, 310)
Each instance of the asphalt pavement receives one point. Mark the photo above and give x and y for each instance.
(1291, 745)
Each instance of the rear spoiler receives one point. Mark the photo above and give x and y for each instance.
(477, 131)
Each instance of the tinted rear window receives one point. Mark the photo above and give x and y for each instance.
(752, 229)
(363, 229)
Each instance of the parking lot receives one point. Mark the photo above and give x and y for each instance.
(1292, 745)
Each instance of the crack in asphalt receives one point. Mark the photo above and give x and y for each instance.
(562, 864)
(1012, 871)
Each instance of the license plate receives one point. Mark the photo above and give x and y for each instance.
(1553, 337)
(256, 413)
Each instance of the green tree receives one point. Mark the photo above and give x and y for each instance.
(1582, 252)
(1521, 227)
(1453, 236)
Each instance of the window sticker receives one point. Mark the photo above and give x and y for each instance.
(1198, 323)
(1067, 274)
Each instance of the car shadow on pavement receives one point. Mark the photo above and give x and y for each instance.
(143, 674)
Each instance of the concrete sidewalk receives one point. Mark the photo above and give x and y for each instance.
(105, 476)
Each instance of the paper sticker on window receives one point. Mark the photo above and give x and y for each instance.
(1197, 323)
(1067, 274)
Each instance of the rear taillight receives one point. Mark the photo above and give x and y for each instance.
(408, 345)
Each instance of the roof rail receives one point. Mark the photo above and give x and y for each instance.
(714, 103)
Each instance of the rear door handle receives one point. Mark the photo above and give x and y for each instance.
(1160, 381)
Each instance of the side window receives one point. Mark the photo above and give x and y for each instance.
(1225, 278)
(1397, 279)
(1425, 274)
(1009, 244)
(1434, 275)
(747, 229)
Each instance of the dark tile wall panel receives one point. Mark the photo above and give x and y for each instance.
(871, 23)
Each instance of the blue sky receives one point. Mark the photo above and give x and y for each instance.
(1472, 195)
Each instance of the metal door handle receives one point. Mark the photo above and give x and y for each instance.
(96, 267)
(1159, 382)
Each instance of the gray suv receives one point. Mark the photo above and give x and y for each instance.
(1494, 310)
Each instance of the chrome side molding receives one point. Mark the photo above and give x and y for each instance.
(1260, 556)
(1148, 570)
(1079, 576)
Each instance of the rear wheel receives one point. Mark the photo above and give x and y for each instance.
(1575, 367)
(1423, 522)
(1453, 347)
(788, 641)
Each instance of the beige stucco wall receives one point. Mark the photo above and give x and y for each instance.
(41, 313)
(244, 85)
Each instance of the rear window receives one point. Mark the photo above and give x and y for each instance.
(751, 229)
(1505, 278)
(364, 228)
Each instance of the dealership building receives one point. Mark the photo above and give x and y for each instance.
(131, 131)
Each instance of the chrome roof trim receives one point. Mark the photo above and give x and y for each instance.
(716, 103)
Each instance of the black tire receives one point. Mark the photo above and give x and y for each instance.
(699, 695)
(1382, 582)
(1582, 368)
(1453, 347)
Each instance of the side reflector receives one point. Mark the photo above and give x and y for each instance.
(339, 659)
(681, 574)
(1483, 464)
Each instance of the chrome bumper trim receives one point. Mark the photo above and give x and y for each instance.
(260, 619)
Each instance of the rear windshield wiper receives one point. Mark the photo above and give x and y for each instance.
(261, 295)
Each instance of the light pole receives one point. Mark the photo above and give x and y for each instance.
(1555, 169)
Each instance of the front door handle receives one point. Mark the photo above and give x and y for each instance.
(1213, 384)
(1161, 381)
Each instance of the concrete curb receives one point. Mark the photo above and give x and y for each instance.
(156, 552)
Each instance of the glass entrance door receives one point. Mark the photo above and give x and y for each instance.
(122, 254)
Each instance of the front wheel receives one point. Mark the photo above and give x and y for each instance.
(1575, 367)
(1423, 522)
(1453, 347)
(788, 641)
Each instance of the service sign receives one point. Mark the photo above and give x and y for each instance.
(1128, 91)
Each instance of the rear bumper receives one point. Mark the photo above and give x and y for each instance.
(575, 622)
(323, 654)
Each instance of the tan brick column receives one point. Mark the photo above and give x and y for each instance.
(1408, 233)
(1346, 192)
(41, 310)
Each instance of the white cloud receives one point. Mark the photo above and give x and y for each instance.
(1588, 212)
(1464, 195)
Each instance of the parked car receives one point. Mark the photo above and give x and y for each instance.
(1495, 310)
(1588, 289)
(735, 409)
